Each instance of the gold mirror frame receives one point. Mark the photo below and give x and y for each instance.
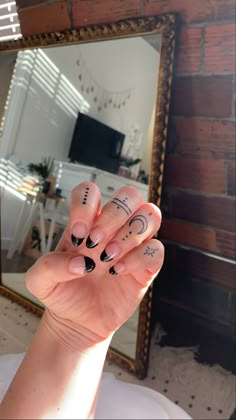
(166, 26)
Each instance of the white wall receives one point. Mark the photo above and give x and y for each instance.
(48, 82)
(49, 110)
(117, 65)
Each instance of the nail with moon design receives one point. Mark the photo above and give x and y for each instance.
(96, 236)
(118, 268)
(78, 234)
(111, 251)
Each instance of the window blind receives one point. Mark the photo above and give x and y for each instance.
(9, 23)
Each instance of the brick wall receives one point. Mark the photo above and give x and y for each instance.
(199, 184)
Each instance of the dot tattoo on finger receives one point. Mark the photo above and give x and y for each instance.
(150, 251)
(85, 195)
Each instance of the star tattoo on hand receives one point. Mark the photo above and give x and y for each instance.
(150, 251)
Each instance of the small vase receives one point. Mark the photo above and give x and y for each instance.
(46, 186)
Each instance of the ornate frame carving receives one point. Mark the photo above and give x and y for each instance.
(166, 26)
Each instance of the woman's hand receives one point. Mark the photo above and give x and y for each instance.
(90, 285)
(103, 264)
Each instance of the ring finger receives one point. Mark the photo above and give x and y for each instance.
(143, 224)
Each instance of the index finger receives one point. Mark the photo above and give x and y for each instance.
(84, 208)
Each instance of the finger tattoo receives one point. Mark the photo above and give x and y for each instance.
(85, 195)
(139, 225)
(150, 251)
(121, 204)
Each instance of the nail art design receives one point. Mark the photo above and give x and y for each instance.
(90, 243)
(89, 264)
(76, 241)
(121, 204)
(150, 251)
(81, 265)
(95, 237)
(113, 271)
(85, 195)
(104, 257)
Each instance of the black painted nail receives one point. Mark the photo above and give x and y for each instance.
(90, 243)
(112, 271)
(76, 241)
(89, 264)
(104, 257)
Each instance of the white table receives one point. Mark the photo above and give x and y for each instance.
(55, 213)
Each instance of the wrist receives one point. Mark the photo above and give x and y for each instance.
(72, 336)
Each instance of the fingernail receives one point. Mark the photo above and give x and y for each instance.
(81, 265)
(96, 236)
(118, 268)
(78, 234)
(111, 251)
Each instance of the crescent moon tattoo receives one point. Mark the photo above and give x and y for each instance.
(142, 219)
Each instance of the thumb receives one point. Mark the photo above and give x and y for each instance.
(56, 267)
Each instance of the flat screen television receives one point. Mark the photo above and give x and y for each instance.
(96, 144)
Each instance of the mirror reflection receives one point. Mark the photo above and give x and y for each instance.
(73, 113)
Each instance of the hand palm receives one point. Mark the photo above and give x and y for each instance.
(98, 301)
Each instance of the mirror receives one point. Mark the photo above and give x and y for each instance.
(59, 99)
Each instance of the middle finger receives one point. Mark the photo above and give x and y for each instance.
(114, 215)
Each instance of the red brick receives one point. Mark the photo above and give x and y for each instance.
(207, 96)
(87, 12)
(226, 244)
(195, 174)
(205, 138)
(215, 211)
(44, 18)
(188, 234)
(219, 47)
(193, 11)
(189, 52)
(205, 267)
(231, 182)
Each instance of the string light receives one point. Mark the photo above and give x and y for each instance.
(103, 98)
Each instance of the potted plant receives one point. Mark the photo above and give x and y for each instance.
(44, 170)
